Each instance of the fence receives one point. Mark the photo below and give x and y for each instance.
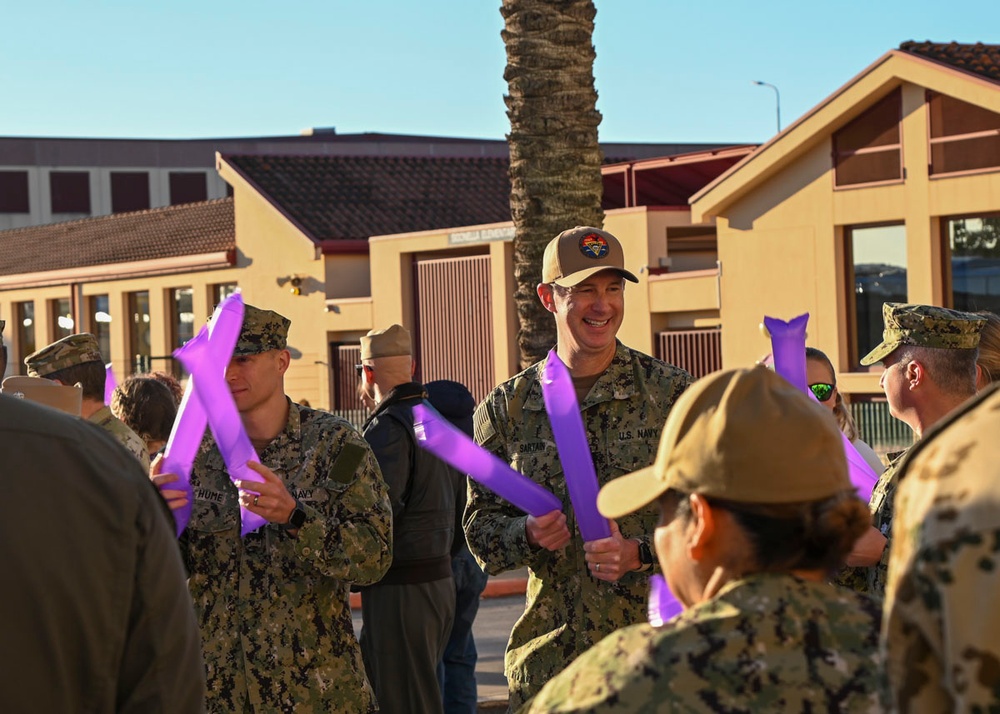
(697, 351)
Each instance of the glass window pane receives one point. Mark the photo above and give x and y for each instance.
(100, 323)
(25, 316)
(965, 155)
(182, 327)
(61, 318)
(138, 338)
(869, 168)
(221, 291)
(975, 263)
(879, 270)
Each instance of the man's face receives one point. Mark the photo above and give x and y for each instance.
(366, 386)
(894, 383)
(588, 314)
(254, 379)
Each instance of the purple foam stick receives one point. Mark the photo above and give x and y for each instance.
(109, 382)
(220, 408)
(182, 447)
(191, 421)
(788, 345)
(449, 444)
(663, 606)
(574, 451)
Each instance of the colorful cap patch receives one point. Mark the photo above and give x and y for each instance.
(594, 246)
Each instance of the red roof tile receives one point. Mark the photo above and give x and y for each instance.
(355, 197)
(980, 59)
(189, 229)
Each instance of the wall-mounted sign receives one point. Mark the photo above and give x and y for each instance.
(483, 235)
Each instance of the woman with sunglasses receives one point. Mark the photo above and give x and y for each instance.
(823, 383)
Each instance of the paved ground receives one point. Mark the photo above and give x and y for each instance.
(496, 617)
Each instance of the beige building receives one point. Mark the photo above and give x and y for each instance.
(887, 190)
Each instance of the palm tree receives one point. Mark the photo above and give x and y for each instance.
(555, 159)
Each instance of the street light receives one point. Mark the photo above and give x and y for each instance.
(777, 99)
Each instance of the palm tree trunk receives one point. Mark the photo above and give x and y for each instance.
(555, 159)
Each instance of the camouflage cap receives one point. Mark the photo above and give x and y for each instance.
(67, 352)
(576, 254)
(263, 330)
(924, 326)
(393, 341)
(744, 435)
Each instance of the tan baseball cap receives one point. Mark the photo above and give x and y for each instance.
(393, 341)
(576, 254)
(743, 435)
(924, 326)
(43, 391)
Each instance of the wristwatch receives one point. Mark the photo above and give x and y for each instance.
(297, 517)
(645, 555)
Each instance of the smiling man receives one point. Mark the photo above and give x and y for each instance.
(273, 607)
(577, 592)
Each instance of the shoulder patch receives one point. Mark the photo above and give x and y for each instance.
(346, 465)
(484, 429)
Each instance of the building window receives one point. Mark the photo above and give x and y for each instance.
(974, 246)
(99, 317)
(14, 192)
(24, 316)
(876, 262)
(138, 331)
(70, 191)
(964, 137)
(221, 291)
(187, 187)
(129, 191)
(61, 318)
(181, 322)
(868, 150)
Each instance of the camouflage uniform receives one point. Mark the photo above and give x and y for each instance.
(768, 642)
(921, 326)
(566, 610)
(277, 633)
(82, 348)
(122, 434)
(941, 629)
(871, 579)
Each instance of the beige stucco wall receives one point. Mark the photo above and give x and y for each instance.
(781, 242)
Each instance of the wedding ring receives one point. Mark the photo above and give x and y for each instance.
(597, 568)
(255, 499)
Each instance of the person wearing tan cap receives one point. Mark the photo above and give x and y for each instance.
(39, 390)
(577, 592)
(274, 606)
(76, 359)
(756, 510)
(408, 614)
(928, 355)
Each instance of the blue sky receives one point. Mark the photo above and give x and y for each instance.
(666, 70)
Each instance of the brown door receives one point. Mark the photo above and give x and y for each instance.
(454, 336)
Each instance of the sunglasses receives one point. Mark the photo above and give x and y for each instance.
(360, 369)
(822, 391)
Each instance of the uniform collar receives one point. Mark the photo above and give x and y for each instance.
(616, 382)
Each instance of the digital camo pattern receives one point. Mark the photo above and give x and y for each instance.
(121, 432)
(274, 610)
(566, 610)
(767, 643)
(871, 579)
(925, 326)
(263, 330)
(67, 352)
(941, 627)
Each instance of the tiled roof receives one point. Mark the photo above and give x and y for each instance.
(355, 197)
(980, 59)
(189, 229)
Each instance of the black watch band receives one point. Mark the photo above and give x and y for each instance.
(296, 519)
(645, 555)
